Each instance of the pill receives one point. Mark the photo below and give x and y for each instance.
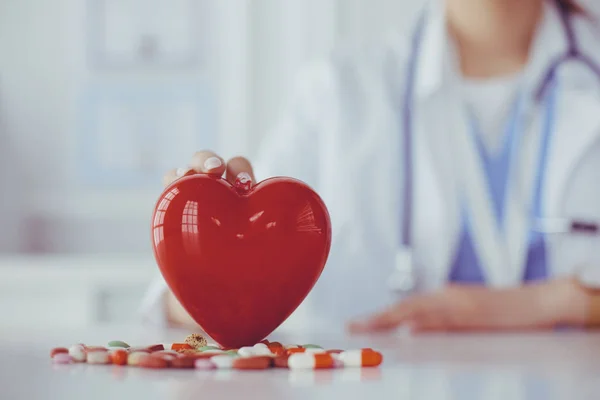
(261, 351)
(310, 361)
(111, 349)
(118, 343)
(135, 357)
(311, 346)
(281, 362)
(195, 340)
(314, 350)
(213, 352)
(119, 357)
(206, 348)
(155, 347)
(337, 363)
(98, 357)
(252, 362)
(265, 341)
(183, 362)
(295, 350)
(274, 344)
(138, 350)
(149, 361)
(62, 358)
(77, 353)
(204, 364)
(95, 348)
(165, 356)
(278, 351)
(180, 346)
(58, 350)
(246, 351)
(223, 362)
(361, 358)
(194, 353)
(260, 346)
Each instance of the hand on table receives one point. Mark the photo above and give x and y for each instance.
(469, 308)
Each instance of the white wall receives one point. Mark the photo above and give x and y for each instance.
(255, 49)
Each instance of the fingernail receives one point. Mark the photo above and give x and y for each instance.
(243, 182)
(212, 163)
(244, 177)
(181, 171)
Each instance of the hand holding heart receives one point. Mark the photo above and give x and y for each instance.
(239, 258)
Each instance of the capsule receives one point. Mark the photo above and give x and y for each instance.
(310, 361)
(58, 350)
(204, 364)
(135, 357)
(155, 347)
(77, 353)
(98, 357)
(119, 357)
(361, 358)
(148, 361)
(246, 351)
(62, 358)
(183, 362)
(223, 361)
(281, 362)
(252, 362)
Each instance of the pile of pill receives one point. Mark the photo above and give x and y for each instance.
(196, 353)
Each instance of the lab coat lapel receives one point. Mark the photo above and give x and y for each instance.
(487, 239)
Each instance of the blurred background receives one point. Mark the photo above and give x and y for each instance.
(98, 98)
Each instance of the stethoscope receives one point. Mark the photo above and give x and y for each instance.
(403, 279)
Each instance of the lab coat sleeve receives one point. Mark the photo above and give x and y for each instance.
(581, 201)
(291, 149)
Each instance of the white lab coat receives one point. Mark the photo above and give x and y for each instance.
(342, 136)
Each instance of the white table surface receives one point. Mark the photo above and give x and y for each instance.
(560, 365)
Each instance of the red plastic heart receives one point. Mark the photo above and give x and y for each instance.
(240, 260)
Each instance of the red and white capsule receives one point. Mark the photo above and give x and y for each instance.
(361, 358)
(310, 361)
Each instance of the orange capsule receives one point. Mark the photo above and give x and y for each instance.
(281, 362)
(180, 346)
(295, 350)
(119, 357)
(361, 358)
(278, 351)
(259, 362)
(265, 341)
(310, 361)
(153, 362)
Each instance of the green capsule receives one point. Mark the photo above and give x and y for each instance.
(118, 343)
(311, 346)
(206, 348)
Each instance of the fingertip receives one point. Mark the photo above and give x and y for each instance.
(214, 166)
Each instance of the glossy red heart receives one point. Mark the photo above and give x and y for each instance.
(239, 260)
